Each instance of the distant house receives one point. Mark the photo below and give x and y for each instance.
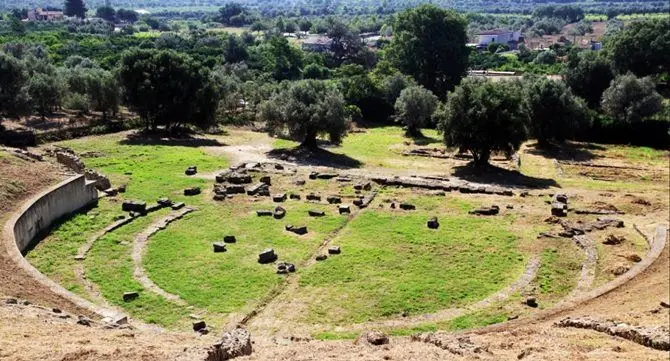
(40, 14)
(500, 36)
(317, 43)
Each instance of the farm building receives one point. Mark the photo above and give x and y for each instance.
(40, 14)
(501, 36)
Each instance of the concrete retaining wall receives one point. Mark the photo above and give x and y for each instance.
(66, 198)
(36, 216)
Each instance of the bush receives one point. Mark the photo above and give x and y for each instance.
(414, 108)
(77, 101)
(547, 57)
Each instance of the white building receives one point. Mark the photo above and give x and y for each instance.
(500, 36)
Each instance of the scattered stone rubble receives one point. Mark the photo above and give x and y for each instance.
(655, 337)
(235, 343)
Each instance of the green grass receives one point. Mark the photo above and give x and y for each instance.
(379, 147)
(393, 264)
(474, 320)
(559, 270)
(110, 267)
(329, 336)
(54, 255)
(180, 259)
(151, 171)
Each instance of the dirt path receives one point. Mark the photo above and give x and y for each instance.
(139, 246)
(588, 272)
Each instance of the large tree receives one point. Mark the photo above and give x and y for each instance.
(414, 108)
(75, 8)
(481, 117)
(304, 110)
(429, 44)
(553, 113)
(630, 99)
(643, 48)
(106, 12)
(167, 89)
(46, 92)
(13, 80)
(588, 75)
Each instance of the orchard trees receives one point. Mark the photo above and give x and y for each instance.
(304, 110)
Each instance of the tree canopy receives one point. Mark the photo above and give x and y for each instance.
(481, 116)
(630, 99)
(643, 48)
(588, 75)
(304, 110)
(429, 44)
(414, 108)
(167, 88)
(75, 8)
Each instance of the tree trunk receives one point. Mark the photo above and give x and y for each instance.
(309, 142)
(481, 159)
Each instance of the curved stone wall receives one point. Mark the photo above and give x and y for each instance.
(61, 200)
(36, 217)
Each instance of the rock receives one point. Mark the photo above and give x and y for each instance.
(612, 240)
(84, 321)
(266, 180)
(297, 230)
(199, 325)
(559, 209)
(313, 175)
(334, 200)
(300, 182)
(509, 206)
(313, 197)
(234, 189)
(111, 192)
(344, 209)
(70, 161)
(665, 304)
(641, 201)
(134, 206)
(264, 213)
(164, 202)
(407, 206)
(238, 178)
(316, 213)
(294, 196)
(229, 239)
(130, 296)
(343, 179)
(267, 256)
(193, 191)
(285, 268)
(178, 206)
(279, 213)
(365, 202)
(193, 170)
(325, 175)
(363, 186)
(56, 310)
(561, 198)
(321, 257)
(334, 250)
(486, 211)
(279, 166)
(122, 188)
(433, 223)
(524, 194)
(258, 189)
(531, 302)
(281, 197)
(619, 270)
(219, 247)
(11, 301)
(375, 338)
(634, 258)
(653, 337)
(235, 343)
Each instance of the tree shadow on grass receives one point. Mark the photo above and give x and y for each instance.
(568, 151)
(422, 140)
(315, 157)
(500, 176)
(148, 138)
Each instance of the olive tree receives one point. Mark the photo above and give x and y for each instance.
(630, 99)
(304, 110)
(482, 117)
(553, 113)
(414, 108)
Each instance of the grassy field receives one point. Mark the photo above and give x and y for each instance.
(392, 264)
(381, 147)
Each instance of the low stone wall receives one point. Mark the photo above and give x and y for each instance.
(35, 217)
(67, 197)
